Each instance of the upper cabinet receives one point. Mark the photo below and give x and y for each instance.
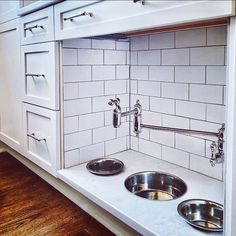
(78, 19)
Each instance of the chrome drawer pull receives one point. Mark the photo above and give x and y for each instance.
(34, 75)
(141, 1)
(33, 27)
(32, 135)
(71, 18)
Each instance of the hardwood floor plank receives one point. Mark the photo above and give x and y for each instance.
(30, 206)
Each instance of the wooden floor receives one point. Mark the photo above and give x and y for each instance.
(30, 206)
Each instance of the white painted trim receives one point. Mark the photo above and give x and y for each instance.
(101, 215)
(230, 160)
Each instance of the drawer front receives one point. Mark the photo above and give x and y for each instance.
(108, 17)
(42, 137)
(37, 27)
(41, 74)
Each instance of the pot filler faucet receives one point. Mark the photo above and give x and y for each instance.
(217, 148)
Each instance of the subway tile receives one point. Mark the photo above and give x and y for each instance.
(191, 109)
(216, 75)
(217, 35)
(114, 57)
(72, 158)
(91, 89)
(216, 113)
(134, 143)
(139, 72)
(134, 86)
(173, 90)
(90, 56)
(133, 58)
(139, 43)
(144, 101)
(202, 165)
(161, 73)
(71, 124)
(162, 137)
(115, 87)
(123, 130)
(71, 91)
(103, 44)
(124, 100)
(122, 72)
(152, 118)
(162, 40)
(77, 140)
(207, 56)
(108, 117)
(150, 148)
(190, 144)
(77, 43)
(175, 121)
(175, 156)
(190, 74)
(162, 105)
(175, 56)
(69, 56)
(151, 57)
(103, 72)
(76, 73)
(103, 134)
(190, 38)
(91, 152)
(91, 121)
(122, 45)
(101, 103)
(116, 145)
(206, 93)
(77, 107)
(149, 88)
(145, 134)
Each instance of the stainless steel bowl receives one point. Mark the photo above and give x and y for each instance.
(202, 214)
(155, 185)
(105, 166)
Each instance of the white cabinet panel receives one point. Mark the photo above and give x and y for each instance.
(41, 74)
(42, 137)
(37, 27)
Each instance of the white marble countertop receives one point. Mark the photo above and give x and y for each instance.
(145, 216)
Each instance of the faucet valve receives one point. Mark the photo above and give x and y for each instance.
(116, 112)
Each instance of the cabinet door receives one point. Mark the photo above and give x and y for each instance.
(42, 137)
(10, 86)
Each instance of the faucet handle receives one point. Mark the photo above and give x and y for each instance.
(213, 154)
(115, 102)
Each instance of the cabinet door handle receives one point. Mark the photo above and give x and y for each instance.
(141, 1)
(34, 75)
(30, 28)
(32, 135)
(71, 18)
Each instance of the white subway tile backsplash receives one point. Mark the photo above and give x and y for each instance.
(216, 75)
(191, 109)
(77, 107)
(101, 103)
(72, 158)
(139, 72)
(144, 100)
(207, 56)
(149, 88)
(69, 56)
(162, 40)
(115, 57)
(175, 56)
(108, 117)
(103, 134)
(190, 74)
(77, 140)
(175, 121)
(90, 56)
(103, 44)
(91, 89)
(122, 72)
(161, 73)
(90, 121)
(71, 124)
(150, 148)
(149, 117)
(152, 57)
(76, 73)
(123, 130)
(139, 43)
(216, 113)
(190, 38)
(91, 152)
(122, 45)
(134, 143)
(162, 105)
(133, 58)
(174, 90)
(162, 137)
(175, 156)
(115, 87)
(71, 91)
(77, 43)
(134, 86)
(124, 98)
(206, 93)
(103, 72)
(116, 145)
(217, 35)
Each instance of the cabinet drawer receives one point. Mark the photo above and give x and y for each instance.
(37, 27)
(108, 17)
(41, 74)
(42, 137)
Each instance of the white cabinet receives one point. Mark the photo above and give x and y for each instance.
(37, 27)
(108, 17)
(40, 73)
(10, 86)
(42, 137)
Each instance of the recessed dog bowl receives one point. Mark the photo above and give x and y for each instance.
(105, 166)
(155, 185)
(202, 214)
